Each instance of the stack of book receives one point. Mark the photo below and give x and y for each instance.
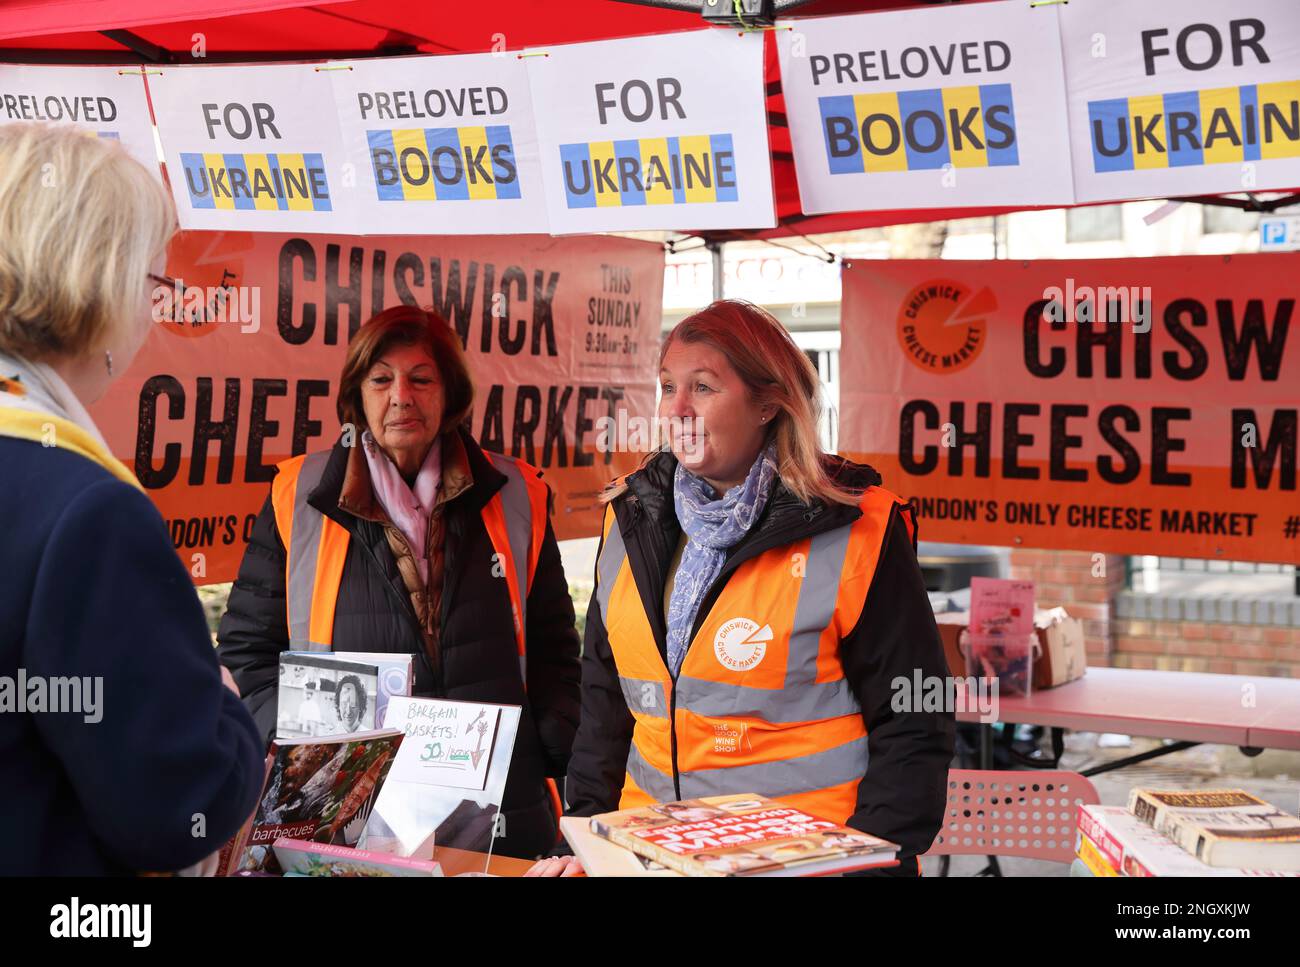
(1211, 832)
(736, 835)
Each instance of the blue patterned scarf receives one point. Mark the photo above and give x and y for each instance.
(712, 525)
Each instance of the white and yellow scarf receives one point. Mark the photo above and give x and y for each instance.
(36, 404)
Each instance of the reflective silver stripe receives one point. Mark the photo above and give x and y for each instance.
(519, 525)
(782, 777)
(652, 782)
(523, 668)
(803, 699)
(304, 546)
(612, 555)
(816, 605)
(644, 696)
(794, 703)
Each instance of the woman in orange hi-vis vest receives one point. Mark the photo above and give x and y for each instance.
(407, 537)
(756, 603)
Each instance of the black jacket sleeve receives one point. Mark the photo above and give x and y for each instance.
(553, 669)
(600, 749)
(255, 628)
(902, 797)
(168, 764)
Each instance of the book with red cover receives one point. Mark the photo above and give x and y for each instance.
(742, 835)
(321, 790)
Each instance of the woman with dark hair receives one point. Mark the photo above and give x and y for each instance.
(407, 537)
(757, 601)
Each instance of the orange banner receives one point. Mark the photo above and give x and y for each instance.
(1136, 406)
(242, 368)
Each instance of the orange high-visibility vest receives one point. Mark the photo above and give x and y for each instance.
(761, 704)
(316, 547)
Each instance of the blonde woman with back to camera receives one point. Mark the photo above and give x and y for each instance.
(113, 777)
(755, 599)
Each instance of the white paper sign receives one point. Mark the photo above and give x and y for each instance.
(446, 744)
(441, 145)
(109, 102)
(1194, 97)
(665, 132)
(952, 107)
(254, 148)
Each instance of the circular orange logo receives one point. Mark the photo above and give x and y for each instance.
(942, 325)
(207, 266)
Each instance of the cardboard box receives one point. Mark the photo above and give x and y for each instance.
(951, 625)
(1064, 656)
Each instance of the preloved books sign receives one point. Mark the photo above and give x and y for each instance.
(742, 835)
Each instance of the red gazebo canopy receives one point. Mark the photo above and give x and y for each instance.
(163, 31)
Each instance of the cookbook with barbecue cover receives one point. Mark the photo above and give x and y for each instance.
(319, 790)
(742, 835)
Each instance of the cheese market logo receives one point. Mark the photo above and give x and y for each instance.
(444, 164)
(942, 325)
(740, 644)
(683, 170)
(207, 289)
(1221, 125)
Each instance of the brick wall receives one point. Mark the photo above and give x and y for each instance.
(1225, 634)
(1086, 585)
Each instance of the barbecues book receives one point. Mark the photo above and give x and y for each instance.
(1222, 827)
(319, 790)
(742, 835)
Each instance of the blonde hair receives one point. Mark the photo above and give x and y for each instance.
(81, 221)
(776, 373)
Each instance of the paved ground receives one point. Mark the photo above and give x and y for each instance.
(1272, 775)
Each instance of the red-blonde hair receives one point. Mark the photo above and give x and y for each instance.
(776, 373)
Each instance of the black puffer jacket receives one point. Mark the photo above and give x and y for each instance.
(478, 660)
(902, 796)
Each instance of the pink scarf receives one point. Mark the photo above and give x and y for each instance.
(407, 508)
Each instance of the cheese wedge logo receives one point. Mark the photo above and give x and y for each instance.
(942, 325)
(740, 644)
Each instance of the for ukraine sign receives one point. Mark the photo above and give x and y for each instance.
(1188, 98)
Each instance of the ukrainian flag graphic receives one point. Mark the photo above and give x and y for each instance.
(682, 170)
(1222, 125)
(966, 127)
(257, 182)
(444, 164)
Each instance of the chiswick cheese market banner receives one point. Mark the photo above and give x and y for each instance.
(1143, 406)
(937, 108)
(1193, 97)
(242, 372)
